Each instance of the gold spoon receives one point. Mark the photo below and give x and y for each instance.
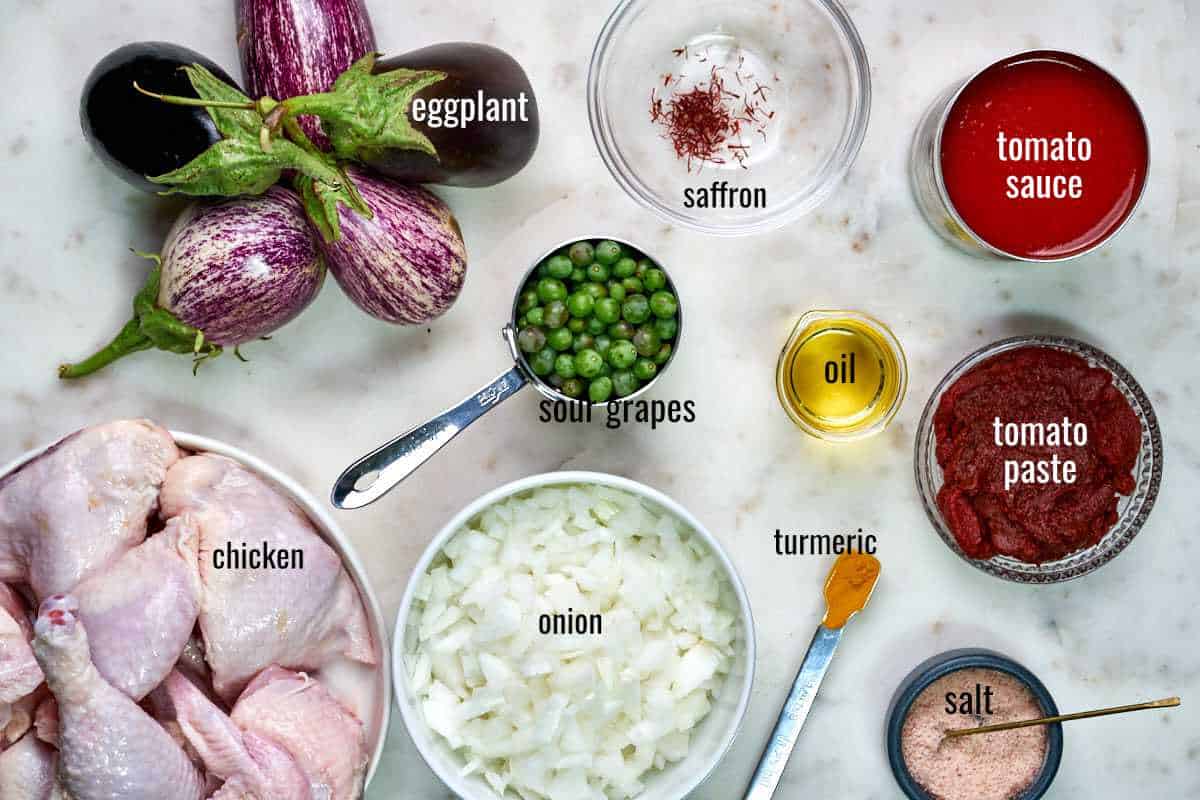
(1169, 702)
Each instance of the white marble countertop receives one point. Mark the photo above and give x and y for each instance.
(336, 383)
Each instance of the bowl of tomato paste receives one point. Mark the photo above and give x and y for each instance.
(1038, 458)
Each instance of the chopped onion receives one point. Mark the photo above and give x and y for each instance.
(570, 717)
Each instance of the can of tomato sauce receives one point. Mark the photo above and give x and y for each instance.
(1042, 156)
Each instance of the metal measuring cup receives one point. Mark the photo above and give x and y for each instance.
(377, 473)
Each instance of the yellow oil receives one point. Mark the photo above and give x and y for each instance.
(841, 375)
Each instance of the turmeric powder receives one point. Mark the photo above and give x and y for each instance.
(849, 587)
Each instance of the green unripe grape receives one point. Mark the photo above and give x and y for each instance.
(560, 339)
(550, 289)
(625, 383)
(588, 363)
(654, 279)
(608, 252)
(556, 314)
(542, 362)
(581, 254)
(531, 339)
(600, 389)
(622, 354)
(559, 267)
(625, 268)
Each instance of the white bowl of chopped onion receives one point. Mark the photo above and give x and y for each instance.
(573, 636)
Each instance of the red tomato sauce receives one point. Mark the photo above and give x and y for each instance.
(1081, 155)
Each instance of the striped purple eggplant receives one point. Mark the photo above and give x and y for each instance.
(408, 263)
(241, 269)
(230, 272)
(294, 47)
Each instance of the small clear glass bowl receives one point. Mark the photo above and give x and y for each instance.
(1132, 510)
(886, 340)
(821, 103)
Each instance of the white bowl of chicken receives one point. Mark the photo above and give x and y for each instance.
(180, 620)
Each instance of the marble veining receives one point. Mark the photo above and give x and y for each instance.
(335, 383)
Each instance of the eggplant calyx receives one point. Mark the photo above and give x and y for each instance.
(246, 160)
(151, 327)
(321, 201)
(229, 168)
(364, 112)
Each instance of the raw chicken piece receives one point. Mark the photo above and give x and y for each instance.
(109, 749)
(27, 770)
(75, 509)
(192, 663)
(253, 618)
(253, 768)
(326, 738)
(140, 612)
(45, 719)
(18, 718)
(19, 672)
(158, 705)
(12, 604)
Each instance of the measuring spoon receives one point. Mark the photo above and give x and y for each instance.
(847, 591)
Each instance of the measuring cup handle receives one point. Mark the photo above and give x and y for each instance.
(376, 474)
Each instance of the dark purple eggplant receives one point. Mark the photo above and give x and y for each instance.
(230, 272)
(294, 47)
(405, 265)
(479, 154)
(136, 135)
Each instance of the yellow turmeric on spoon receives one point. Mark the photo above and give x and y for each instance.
(849, 587)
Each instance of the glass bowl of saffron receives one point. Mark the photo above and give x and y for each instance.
(1062, 367)
(729, 117)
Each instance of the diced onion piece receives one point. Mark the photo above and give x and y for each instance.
(697, 667)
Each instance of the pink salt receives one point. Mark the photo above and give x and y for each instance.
(989, 766)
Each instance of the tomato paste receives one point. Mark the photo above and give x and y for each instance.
(1034, 519)
(1044, 155)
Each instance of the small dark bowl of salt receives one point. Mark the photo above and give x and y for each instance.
(969, 688)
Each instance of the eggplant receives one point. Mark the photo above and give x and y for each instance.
(230, 272)
(295, 47)
(406, 264)
(478, 154)
(136, 135)
(241, 269)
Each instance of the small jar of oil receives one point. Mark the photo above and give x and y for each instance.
(842, 375)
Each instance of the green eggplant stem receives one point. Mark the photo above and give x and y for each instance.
(297, 135)
(150, 327)
(195, 101)
(129, 340)
(319, 105)
(273, 112)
